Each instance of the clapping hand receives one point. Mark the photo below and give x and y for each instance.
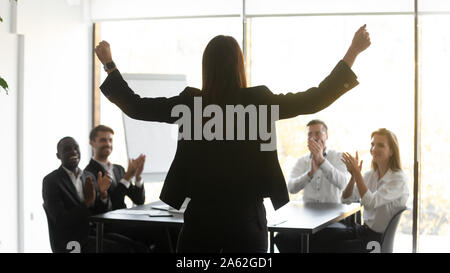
(140, 167)
(352, 163)
(316, 148)
(135, 165)
(103, 184)
(89, 192)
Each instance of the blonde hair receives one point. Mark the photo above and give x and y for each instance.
(394, 163)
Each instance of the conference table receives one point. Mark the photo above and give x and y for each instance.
(305, 218)
(308, 219)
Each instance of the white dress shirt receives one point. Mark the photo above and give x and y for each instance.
(76, 180)
(327, 183)
(383, 199)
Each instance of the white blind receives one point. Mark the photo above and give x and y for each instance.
(255, 7)
(134, 9)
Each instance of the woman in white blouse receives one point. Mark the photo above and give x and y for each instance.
(382, 191)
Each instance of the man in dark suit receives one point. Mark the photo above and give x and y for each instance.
(70, 197)
(101, 140)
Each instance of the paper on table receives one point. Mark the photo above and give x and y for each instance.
(161, 207)
(130, 212)
(169, 208)
(160, 213)
(276, 223)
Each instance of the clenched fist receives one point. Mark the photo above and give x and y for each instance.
(361, 40)
(103, 52)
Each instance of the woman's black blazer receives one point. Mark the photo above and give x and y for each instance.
(227, 170)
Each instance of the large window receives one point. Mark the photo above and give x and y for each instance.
(173, 46)
(434, 222)
(292, 45)
(383, 99)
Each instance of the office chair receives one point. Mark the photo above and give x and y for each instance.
(387, 240)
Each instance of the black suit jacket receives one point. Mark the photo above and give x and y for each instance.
(213, 171)
(67, 216)
(117, 191)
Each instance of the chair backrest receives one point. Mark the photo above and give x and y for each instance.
(50, 230)
(387, 240)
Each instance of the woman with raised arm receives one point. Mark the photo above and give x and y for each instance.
(226, 160)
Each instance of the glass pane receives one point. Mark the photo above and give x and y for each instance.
(326, 6)
(295, 53)
(119, 9)
(158, 47)
(434, 203)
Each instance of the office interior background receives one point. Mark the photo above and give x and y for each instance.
(46, 56)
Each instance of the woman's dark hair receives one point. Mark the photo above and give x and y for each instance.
(223, 70)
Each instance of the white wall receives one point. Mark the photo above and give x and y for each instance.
(5, 14)
(8, 143)
(9, 70)
(57, 98)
